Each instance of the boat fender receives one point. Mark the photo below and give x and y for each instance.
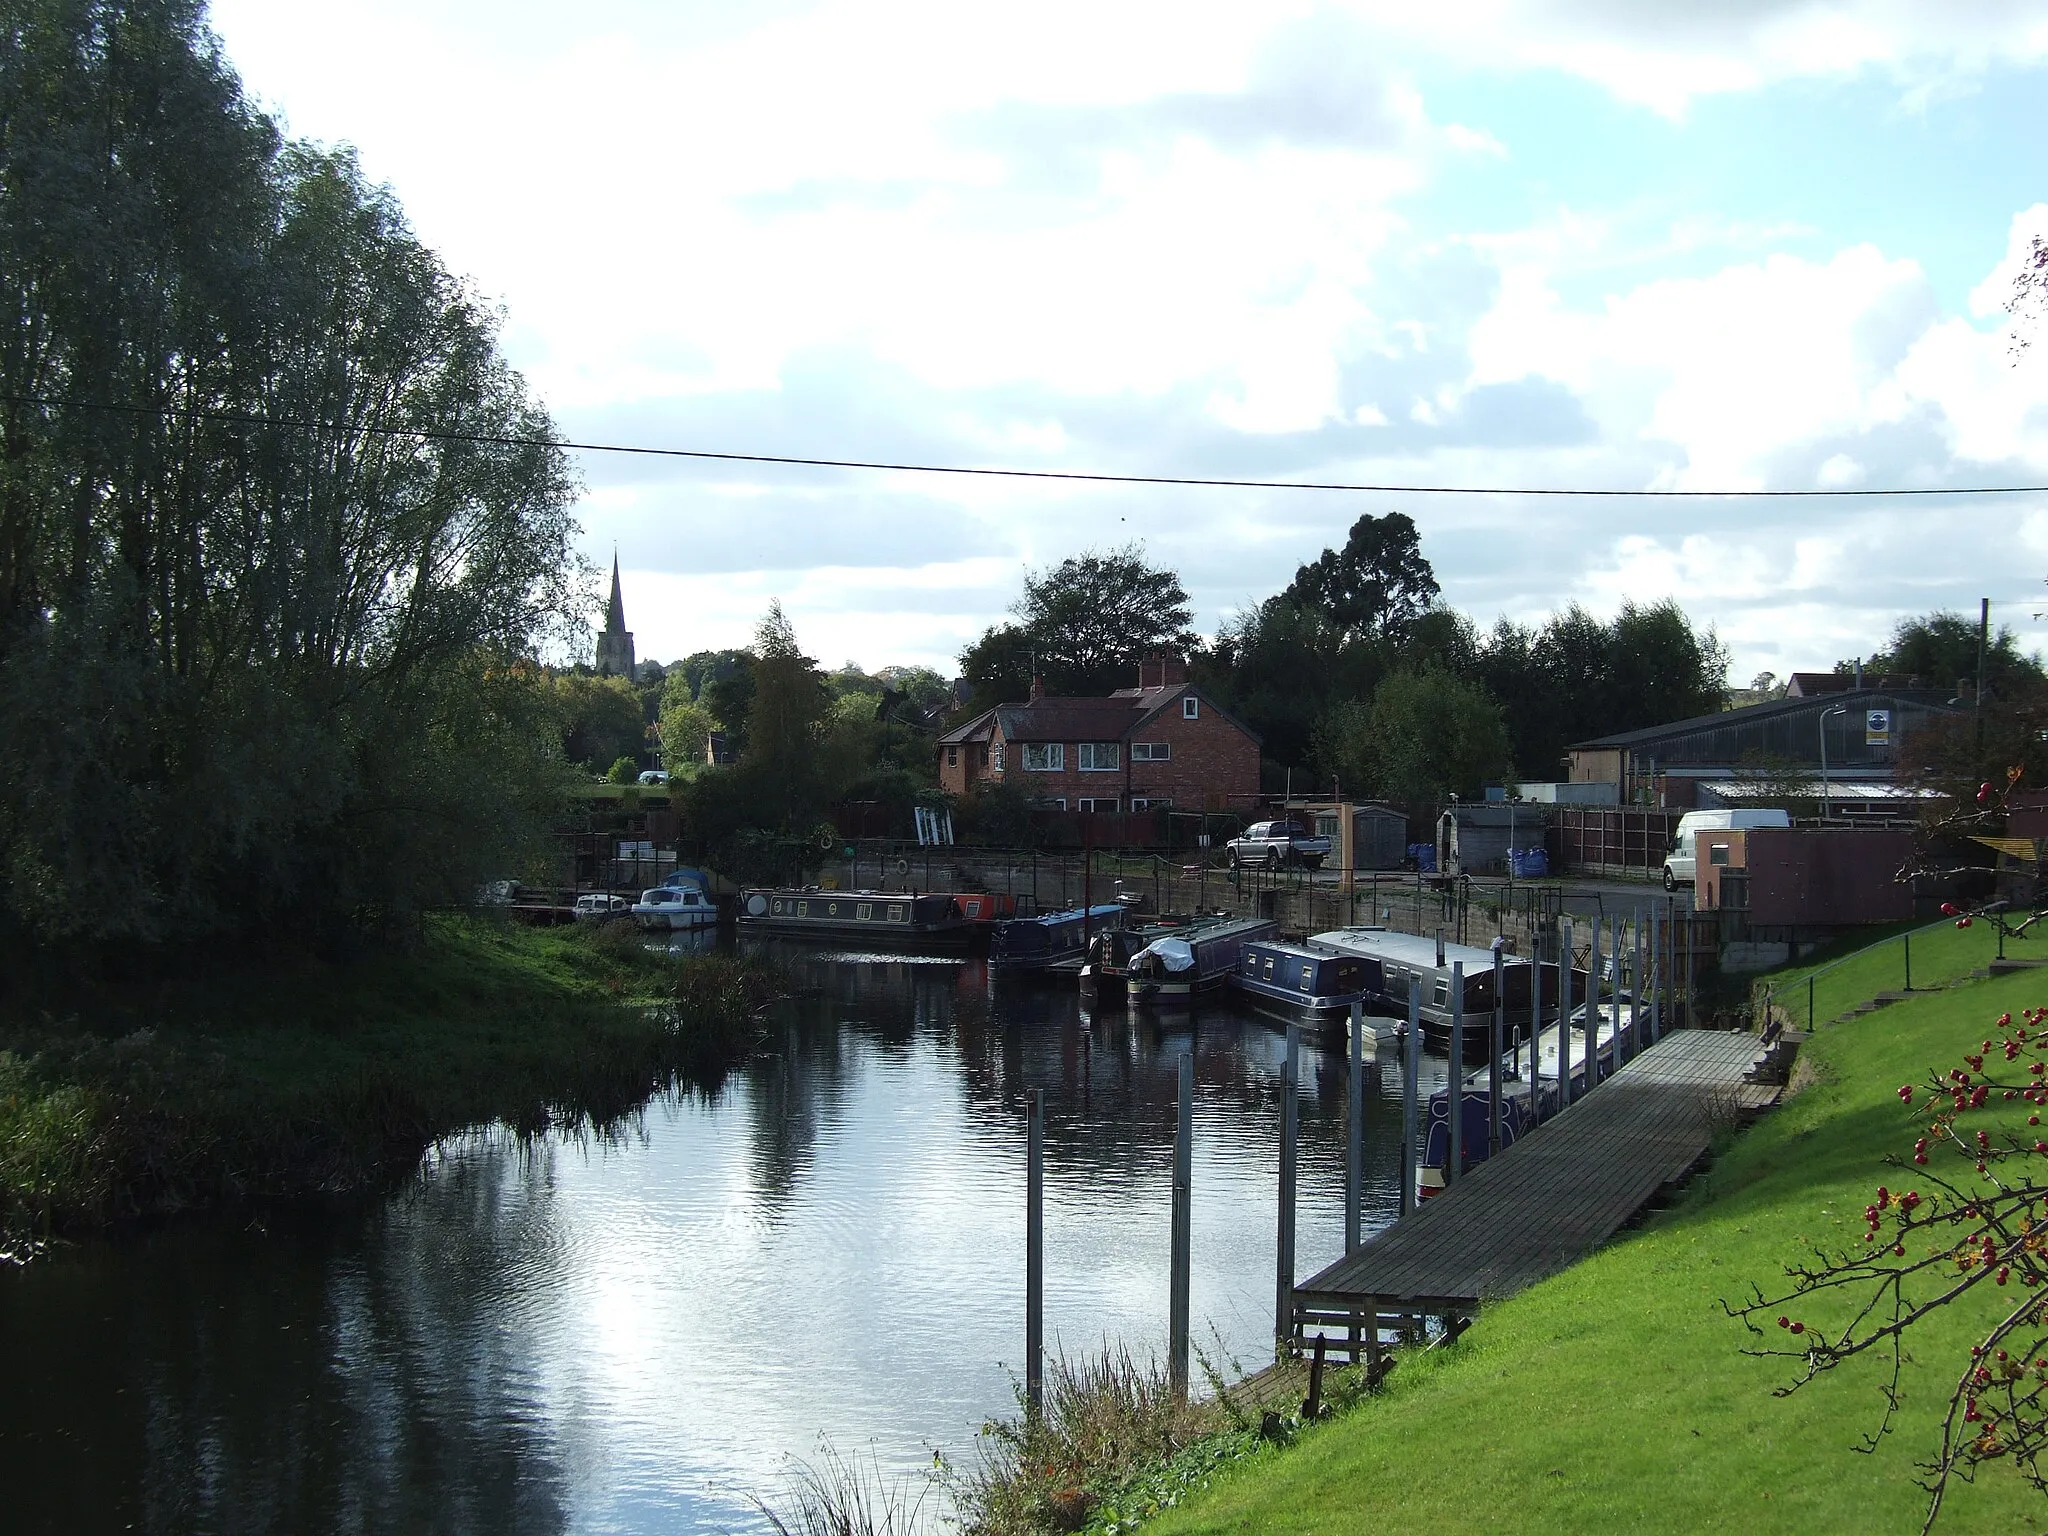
(902, 866)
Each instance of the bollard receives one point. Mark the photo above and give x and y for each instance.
(1411, 1072)
(1183, 1229)
(1454, 1088)
(1283, 1292)
(1354, 1143)
(1034, 1250)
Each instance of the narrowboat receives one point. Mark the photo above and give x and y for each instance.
(1305, 978)
(871, 917)
(1514, 1089)
(1408, 959)
(683, 901)
(1174, 967)
(1051, 938)
(1106, 966)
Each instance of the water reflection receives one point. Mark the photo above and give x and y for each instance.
(634, 1332)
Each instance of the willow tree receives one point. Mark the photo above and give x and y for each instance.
(277, 521)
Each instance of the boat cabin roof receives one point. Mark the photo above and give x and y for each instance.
(1411, 949)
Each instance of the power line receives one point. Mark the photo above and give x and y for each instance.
(489, 439)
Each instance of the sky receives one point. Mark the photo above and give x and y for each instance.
(1738, 245)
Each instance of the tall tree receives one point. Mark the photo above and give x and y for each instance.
(1940, 649)
(1091, 617)
(1426, 734)
(1377, 585)
(789, 704)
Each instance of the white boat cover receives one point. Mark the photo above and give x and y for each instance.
(1174, 954)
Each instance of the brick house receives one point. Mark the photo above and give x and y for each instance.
(1161, 745)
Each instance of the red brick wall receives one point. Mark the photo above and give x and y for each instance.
(1214, 766)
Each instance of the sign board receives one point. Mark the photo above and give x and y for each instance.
(1877, 727)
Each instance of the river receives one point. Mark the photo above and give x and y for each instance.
(644, 1330)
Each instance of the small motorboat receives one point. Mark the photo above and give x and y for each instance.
(684, 900)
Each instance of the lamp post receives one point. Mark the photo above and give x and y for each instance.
(1839, 709)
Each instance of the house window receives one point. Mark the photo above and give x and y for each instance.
(1717, 853)
(1101, 756)
(952, 757)
(998, 757)
(1045, 757)
(1151, 751)
(1151, 803)
(1190, 708)
(1096, 805)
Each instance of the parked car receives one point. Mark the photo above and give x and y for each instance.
(1682, 863)
(654, 776)
(595, 906)
(1273, 843)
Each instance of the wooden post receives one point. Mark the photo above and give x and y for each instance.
(1454, 1164)
(1034, 1251)
(1183, 1229)
(1564, 1012)
(1312, 1409)
(1494, 1061)
(1283, 1290)
(1411, 1072)
(1354, 1141)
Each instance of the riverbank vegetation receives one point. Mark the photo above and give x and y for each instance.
(1617, 1396)
(149, 1093)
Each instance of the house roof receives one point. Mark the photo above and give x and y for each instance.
(1876, 697)
(1097, 719)
(980, 728)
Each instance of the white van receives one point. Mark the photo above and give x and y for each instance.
(1682, 862)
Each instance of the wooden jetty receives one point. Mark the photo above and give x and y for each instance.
(1545, 1202)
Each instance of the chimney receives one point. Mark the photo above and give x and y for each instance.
(1859, 672)
(1173, 671)
(1037, 687)
(1152, 672)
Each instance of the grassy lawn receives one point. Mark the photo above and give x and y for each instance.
(281, 1074)
(1615, 1397)
(1941, 954)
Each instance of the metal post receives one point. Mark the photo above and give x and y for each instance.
(1034, 1251)
(1809, 1002)
(1454, 1089)
(1909, 962)
(1593, 1009)
(1534, 1041)
(1615, 998)
(1656, 974)
(1354, 1142)
(1564, 1012)
(1411, 1072)
(1183, 1229)
(1494, 1067)
(1635, 983)
(1283, 1293)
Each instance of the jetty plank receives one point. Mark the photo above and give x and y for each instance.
(1556, 1194)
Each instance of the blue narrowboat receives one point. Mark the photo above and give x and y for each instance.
(1306, 978)
(1477, 1105)
(1034, 943)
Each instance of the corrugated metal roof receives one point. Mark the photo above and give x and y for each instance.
(1838, 789)
(1869, 698)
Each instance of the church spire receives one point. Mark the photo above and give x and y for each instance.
(615, 615)
(615, 645)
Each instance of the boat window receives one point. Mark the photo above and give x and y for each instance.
(1251, 963)
(1443, 991)
(895, 912)
(1269, 967)
(974, 909)
(864, 910)
(1308, 975)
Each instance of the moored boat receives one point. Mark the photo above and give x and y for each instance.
(1412, 960)
(1050, 938)
(682, 901)
(882, 917)
(1174, 967)
(1305, 978)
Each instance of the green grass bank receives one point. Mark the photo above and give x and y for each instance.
(1615, 1397)
(283, 1075)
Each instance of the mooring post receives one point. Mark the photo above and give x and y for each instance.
(1454, 1097)
(1183, 1229)
(1593, 979)
(1614, 998)
(1034, 1250)
(1411, 1073)
(1909, 962)
(1656, 974)
(1354, 1141)
(1564, 1012)
(1283, 1291)
(1494, 1062)
(1635, 982)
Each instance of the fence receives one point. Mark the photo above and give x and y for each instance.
(1599, 841)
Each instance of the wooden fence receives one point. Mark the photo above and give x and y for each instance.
(1595, 840)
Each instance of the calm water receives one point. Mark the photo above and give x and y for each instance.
(634, 1333)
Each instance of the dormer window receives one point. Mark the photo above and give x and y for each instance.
(1190, 707)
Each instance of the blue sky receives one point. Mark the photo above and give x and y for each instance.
(1746, 245)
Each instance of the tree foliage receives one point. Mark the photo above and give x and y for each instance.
(275, 663)
(1939, 649)
(1424, 735)
(1375, 587)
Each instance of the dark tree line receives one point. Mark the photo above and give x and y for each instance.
(257, 674)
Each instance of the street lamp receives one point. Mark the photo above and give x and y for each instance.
(1839, 709)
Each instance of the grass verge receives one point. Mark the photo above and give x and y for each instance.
(1616, 1396)
(1942, 955)
(287, 1075)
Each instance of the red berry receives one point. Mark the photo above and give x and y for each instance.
(1784, 1322)
(1799, 1327)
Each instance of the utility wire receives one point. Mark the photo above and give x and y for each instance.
(488, 439)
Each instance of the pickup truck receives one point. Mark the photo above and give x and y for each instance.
(1273, 843)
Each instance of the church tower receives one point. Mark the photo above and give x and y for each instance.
(615, 645)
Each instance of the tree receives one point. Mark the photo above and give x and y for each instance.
(1426, 734)
(1373, 588)
(598, 719)
(1090, 618)
(997, 668)
(277, 670)
(790, 700)
(1940, 650)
